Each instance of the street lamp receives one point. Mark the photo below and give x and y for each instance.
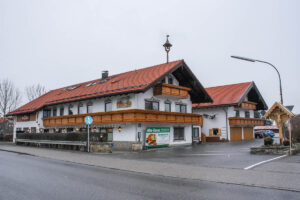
(254, 60)
(167, 46)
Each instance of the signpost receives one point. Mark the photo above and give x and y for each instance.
(88, 120)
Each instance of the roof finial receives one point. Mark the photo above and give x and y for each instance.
(167, 46)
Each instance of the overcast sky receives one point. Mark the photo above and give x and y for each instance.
(61, 42)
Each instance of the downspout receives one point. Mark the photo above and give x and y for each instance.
(226, 119)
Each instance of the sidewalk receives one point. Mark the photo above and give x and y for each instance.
(264, 179)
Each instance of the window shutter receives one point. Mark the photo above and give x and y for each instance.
(220, 132)
(210, 132)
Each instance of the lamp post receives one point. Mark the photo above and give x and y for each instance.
(255, 60)
(167, 46)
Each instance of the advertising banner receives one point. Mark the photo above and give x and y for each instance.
(157, 136)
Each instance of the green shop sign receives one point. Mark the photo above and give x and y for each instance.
(157, 136)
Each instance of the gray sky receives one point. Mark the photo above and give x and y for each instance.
(61, 42)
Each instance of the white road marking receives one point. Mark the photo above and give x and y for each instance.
(251, 166)
(212, 154)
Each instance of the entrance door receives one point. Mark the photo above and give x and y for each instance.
(235, 134)
(248, 133)
(196, 134)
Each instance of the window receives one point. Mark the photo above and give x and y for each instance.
(61, 111)
(170, 80)
(151, 105)
(54, 112)
(215, 131)
(163, 81)
(247, 114)
(180, 108)
(108, 106)
(70, 112)
(89, 107)
(168, 107)
(33, 129)
(46, 113)
(195, 132)
(178, 133)
(237, 113)
(80, 108)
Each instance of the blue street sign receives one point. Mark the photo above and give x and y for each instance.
(88, 120)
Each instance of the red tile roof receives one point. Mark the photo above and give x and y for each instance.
(121, 83)
(225, 95)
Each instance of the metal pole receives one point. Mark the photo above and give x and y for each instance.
(290, 136)
(167, 56)
(280, 87)
(88, 138)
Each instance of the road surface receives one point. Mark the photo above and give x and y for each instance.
(29, 177)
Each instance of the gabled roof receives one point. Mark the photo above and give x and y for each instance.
(124, 83)
(280, 107)
(234, 94)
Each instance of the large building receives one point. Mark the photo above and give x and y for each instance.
(152, 106)
(231, 114)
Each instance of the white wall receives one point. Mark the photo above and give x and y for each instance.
(219, 121)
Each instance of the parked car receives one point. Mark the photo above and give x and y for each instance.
(270, 133)
(258, 134)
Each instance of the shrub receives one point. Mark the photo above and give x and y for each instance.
(286, 142)
(268, 141)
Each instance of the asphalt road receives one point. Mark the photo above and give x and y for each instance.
(28, 177)
(235, 155)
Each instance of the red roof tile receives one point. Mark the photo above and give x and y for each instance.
(115, 84)
(225, 95)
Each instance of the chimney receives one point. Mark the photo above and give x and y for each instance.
(104, 74)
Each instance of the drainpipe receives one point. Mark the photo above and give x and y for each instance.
(226, 120)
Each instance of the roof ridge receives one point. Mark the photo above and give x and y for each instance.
(229, 84)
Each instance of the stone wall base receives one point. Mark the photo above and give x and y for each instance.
(127, 146)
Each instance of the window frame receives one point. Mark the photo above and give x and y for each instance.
(80, 107)
(151, 102)
(89, 105)
(105, 106)
(178, 138)
(181, 105)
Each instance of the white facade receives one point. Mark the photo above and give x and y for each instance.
(129, 132)
(217, 118)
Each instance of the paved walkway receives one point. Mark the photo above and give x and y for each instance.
(255, 178)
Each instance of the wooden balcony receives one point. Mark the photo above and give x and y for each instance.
(126, 116)
(240, 121)
(171, 90)
(248, 105)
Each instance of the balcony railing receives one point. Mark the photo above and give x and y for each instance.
(171, 90)
(240, 121)
(126, 116)
(248, 105)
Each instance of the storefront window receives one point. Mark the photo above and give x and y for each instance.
(178, 133)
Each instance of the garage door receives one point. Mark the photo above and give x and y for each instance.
(235, 134)
(248, 133)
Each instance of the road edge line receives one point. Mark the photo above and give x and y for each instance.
(263, 162)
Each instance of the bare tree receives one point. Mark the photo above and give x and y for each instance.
(35, 91)
(10, 97)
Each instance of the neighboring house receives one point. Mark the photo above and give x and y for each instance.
(231, 115)
(151, 105)
(6, 126)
